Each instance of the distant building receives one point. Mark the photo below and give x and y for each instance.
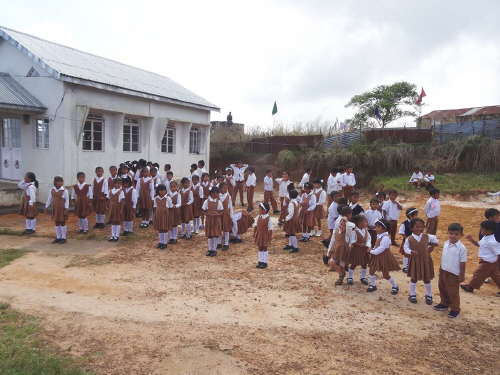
(449, 116)
(238, 128)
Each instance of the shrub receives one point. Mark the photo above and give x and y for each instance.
(286, 160)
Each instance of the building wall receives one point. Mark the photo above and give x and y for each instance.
(65, 157)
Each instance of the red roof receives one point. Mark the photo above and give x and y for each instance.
(447, 113)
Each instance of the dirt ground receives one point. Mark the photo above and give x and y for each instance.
(128, 308)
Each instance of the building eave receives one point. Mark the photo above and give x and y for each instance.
(21, 108)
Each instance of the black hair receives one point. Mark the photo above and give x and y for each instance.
(490, 212)
(168, 166)
(434, 191)
(173, 182)
(156, 165)
(153, 169)
(343, 200)
(113, 166)
(455, 227)
(161, 187)
(416, 168)
(317, 181)
(290, 187)
(144, 169)
(266, 206)
(239, 162)
(334, 170)
(118, 179)
(184, 179)
(268, 170)
(288, 173)
(374, 200)
(346, 211)
(308, 185)
(334, 193)
(126, 180)
(293, 194)
(194, 166)
(415, 221)
(356, 219)
(125, 166)
(348, 166)
(31, 176)
(201, 163)
(340, 207)
(490, 225)
(217, 170)
(341, 169)
(383, 223)
(411, 211)
(392, 191)
(222, 184)
(204, 174)
(195, 176)
(219, 176)
(354, 193)
(308, 169)
(78, 174)
(97, 168)
(251, 169)
(170, 173)
(214, 189)
(382, 193)
(58, 178)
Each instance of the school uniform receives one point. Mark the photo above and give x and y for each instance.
(156, 181)
(99, 188)
(115, 206)
(333, 214)
(263, 224)
(28, 207)
(198, 200)
(231, 183)
(292, 222)
(83, 195)
(282, 189)
(449, 272)
(213, 225)
(340, 182)
(242, 221)
(420, 267)
(432, 209)
(304, 179)
(59, 198)
(167, 182)
(227, 212)
(284, 209)
(489, 251)
(392, 213)
(372, 216)
(356, 209)
(111, 181)
(319, 211)
(341, 247)
(146, 195)
(186, 209)
(359, 240)
(205, 186)
(416, 177)
(382, 258)
(429, 179)
(307, 207)
(239, 178)
(349, 228)
(332, 184)
(405, 231)
(268, 192)
(175, 210)
(251, 183)
(129, 206)
(162, 222)
(349, 183)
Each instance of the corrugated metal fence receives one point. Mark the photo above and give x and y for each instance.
(342, 139)
(456, 131)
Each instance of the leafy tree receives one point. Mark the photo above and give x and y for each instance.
(389, 100)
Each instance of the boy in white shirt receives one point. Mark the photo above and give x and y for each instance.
(332, 184)
(305, 178)
(250, 187)
(372, 215)
(489, 251)
(429, 180)
(332, 213)
(349, 182)
(416, 178)
(390, 211)
(432, 210)
(452, 271)
(201, 168)
(283, 182)
(268, 191)
(239, 177)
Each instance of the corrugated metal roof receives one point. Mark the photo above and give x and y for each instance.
(447, 113)
(69, 64)
(13, 95)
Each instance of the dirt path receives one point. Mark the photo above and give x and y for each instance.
(129, 308)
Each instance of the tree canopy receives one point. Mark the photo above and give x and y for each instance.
(389, 99)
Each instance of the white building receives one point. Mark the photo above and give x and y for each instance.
(63, 111)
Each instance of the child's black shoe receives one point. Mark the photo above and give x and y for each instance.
(371, 288)
(395, 290)
(96, 226)
(453, 314)
(225, 247)
(364, 281)
(405, 270)
(325, 243)
(294, 250)
(350, 281)
(412, 299)
(325, 260)
(219, 246)
(263, 265)
(258, 265)
(428, 300)
(56, 240)
(159, 245)
(288, 247)
(62, 240)
(111, 239)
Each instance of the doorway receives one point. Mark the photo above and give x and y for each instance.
(11, 149)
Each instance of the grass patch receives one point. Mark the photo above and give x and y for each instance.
(22, 351)
(448, 183)
(85, 260)
(8, 255)
(10, 232)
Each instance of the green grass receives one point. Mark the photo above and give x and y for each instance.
(8, 255)
(22, 351)
(446, 183)
(10, 232)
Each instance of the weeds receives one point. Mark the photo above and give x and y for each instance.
(8, 255)
(286, 160)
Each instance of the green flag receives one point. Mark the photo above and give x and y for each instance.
(275, 108)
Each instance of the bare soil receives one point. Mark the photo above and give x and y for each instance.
(128, 308)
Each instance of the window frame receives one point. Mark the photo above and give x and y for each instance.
(197, 146)
(46, 134)
(131, 123)
(172, 128)
(93, 118)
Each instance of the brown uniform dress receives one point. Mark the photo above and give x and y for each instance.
(111, 181)
(115, 207)
(420, 267)
(99, 201)
(262, 235)
(319, 211)
(231, 189)
(186, 209)
(144, 199)
(58, 206)
(198, 202)
(292, 226)
(383, 262)
(213, 227)
(161, 221)
(284, 209)
(226, 222)
(358, 256)
(340, 247)
(25, 209)
(245, 222)
(175, 213)
(128, 206)
(306, 218)
(83, 208)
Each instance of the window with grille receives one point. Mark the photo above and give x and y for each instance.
(168, 141)
(93, 133)
(194, 141)
(131, 135)
(42, 133)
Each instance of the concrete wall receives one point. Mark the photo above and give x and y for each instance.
(66, 156)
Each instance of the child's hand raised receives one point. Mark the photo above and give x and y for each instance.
(469, 237)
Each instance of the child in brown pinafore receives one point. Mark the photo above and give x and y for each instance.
(360, 241)
(262, 233)
(306, 215)
(129, 205)
(82, 200)
(59, 198)
(212, 208)
(145, 196)
(420, 267)
(115, 209)
(319, 211)
(227, 214)
(205, 185)
(197, 203)
(292, 223)
(186, 197)
(99, 189)
(28, 207)
(175, 211)
(162, 222)
(284, 207)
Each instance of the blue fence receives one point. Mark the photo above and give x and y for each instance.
(342, 139)
(456, 131)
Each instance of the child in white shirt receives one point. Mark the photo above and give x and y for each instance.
(349, 182)
(416, 178)
(429, 180)
(432, 210)
(268, 191)
(305, 178)
(372, 215)
(390, 211)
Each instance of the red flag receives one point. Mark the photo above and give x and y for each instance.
(422, 94)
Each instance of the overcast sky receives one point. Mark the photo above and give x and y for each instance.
(310, 56)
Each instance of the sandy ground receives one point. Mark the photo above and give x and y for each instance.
(131, 309)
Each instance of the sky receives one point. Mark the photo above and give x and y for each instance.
(310, 56)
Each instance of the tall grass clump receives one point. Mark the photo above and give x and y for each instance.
(286, 160)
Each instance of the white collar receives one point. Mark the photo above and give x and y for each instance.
(265, 216)
(352, 205)
(173, 193)
(318, 190)
(197, 185)
(128, 189)
(293, 200)
(361, 230)
(418, 238)
(145, 179)
(186, 189)
(458, 243)
(80, 185)
(162, 198)
(212, 199)
(114, 190)
(29, 183)
(489, 237)
(99, 179)
(311, 193)
(56, 189)
(114, 177)
(206, 183)
(382, 235)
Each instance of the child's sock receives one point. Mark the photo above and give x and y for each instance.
(372, 280)
(290, 242)
(428, 289)
(97, 218)
(363, 273)
(183, 228)
(306, 235)
(393, 283)
(33, 224)
(351, 273)
(130, 226)
(151, 214)
(219, 240)
(238, 236)
(63, 232)
(294, 241)
(405, 263)
(214, 243)
(118, 228)
(175, 231)
(413, 289)
(261, 256)
(103, 218)
(85, 224)
(189, 229)
(266, 253)
(80, 224)
(226, 238)
(28, 224)
(160, 237)
(58, 232)
(209, 244)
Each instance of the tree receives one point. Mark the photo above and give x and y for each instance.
(389, 100)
